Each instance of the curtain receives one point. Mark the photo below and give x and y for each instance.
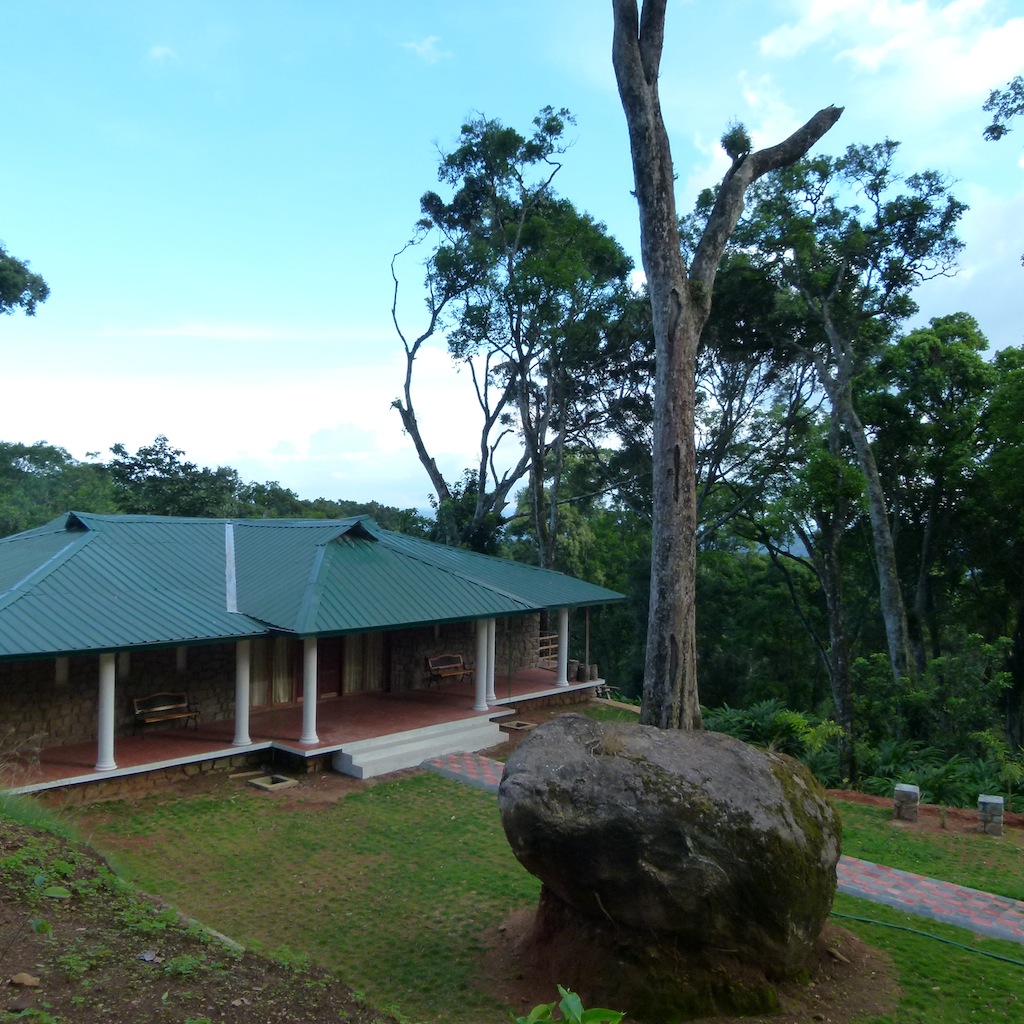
(363, 663)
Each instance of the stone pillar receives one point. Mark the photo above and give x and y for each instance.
(480, 676)
(309, 691)
(563, 648)
(905, 802)
(990, 815)
(243, 660)
(491, 637)
(105, 717)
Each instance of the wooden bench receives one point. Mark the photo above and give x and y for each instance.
(164, 707)
(446, 666)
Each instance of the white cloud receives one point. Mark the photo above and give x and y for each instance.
(427, 49)
(990, 281)
(934, 54)
(160, 54)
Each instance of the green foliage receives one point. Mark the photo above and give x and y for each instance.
(156, 480)
(957, 696)
(772, 725)
(19, 287)
(288, 957)
(736, 141)
(26, 811)
(186, 965)
(572, 1012)
(40, 481)
(750, 645)
(77, 962)
(1004, 104)
(460, 519)
(534, 301)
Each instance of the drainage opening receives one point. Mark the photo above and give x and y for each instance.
(272, 783)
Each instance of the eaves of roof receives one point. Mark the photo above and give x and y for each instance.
(90, 583)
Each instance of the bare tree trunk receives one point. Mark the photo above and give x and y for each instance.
(890, 593)
(832, 583)
(680, 304)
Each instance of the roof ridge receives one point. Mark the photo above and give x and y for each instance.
(40, 572)
(469, 578)
(313, 590)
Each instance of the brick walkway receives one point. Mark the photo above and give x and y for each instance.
(983, 913)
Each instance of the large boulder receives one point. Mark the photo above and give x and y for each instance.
(691, 836)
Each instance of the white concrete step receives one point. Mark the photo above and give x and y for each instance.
(366, 759)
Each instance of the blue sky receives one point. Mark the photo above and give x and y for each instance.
(214, 191)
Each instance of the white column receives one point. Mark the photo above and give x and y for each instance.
(243, 650)
(563, 647)
(480, 677)
(105, 717)
(309, 692)
(490, 660)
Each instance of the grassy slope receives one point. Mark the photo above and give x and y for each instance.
(393, 885)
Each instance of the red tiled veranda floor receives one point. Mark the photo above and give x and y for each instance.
(339, 721)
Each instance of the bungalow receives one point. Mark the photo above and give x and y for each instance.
(312, 637)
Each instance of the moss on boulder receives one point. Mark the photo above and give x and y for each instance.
(692, 840)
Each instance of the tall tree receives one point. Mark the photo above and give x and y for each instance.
(39, 481)
(156, 480)
(997, 544)
(855, 268)
(924, 401)
(680, 302)
(20, 288)
(523, 286)
(804, 522)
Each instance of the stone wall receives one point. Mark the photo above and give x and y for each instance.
(515, 643)
(142, 783)
(33, 703)
(515, 647)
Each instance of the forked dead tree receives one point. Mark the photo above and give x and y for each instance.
(680, 302)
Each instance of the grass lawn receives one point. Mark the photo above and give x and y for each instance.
(390, 886)
(393, 885)
(981, 862)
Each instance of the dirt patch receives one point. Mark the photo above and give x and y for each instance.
(849, 978)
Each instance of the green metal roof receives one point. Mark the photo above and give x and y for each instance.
(88, 582)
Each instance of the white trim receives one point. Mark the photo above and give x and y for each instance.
(230, 581)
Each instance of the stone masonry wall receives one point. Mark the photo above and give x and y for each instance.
(515, 647)
(33, 703)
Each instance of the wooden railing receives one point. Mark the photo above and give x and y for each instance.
(547, 649)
